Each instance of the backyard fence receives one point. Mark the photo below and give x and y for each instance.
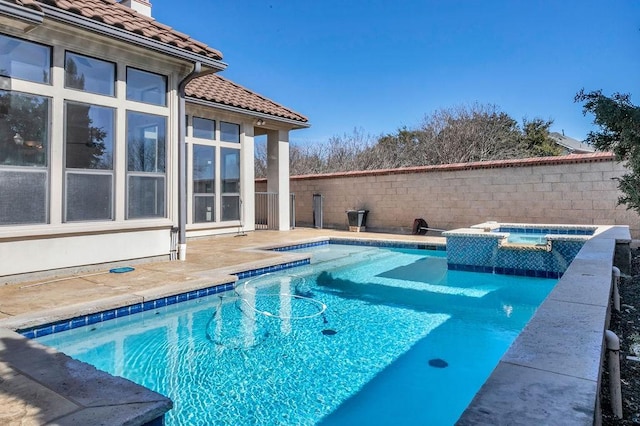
(574, 189)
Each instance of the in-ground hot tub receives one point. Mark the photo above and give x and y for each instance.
(516, 249)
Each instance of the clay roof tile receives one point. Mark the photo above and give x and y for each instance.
(217, 89)
(123, 17)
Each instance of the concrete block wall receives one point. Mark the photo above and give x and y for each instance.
(571, 189)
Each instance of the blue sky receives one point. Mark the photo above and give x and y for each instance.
(378, 65)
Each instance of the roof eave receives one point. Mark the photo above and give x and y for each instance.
(297, 124)
(22, 13)
(123, 35)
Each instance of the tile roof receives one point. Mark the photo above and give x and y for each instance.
(215, 88)
(112, 13)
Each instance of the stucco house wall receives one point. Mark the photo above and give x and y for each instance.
(115, 45)
(575, 189)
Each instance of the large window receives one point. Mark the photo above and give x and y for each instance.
(204, 183)
(146, 147)
(70, 173)
(24, 137)
(229, 132)
(89, 133)
(230, 177)
(89, 74)
(143, 86)
(204, 128)
(24, 60)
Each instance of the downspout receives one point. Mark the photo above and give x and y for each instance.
(182, 161)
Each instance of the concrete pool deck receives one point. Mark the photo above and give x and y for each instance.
(549, 375)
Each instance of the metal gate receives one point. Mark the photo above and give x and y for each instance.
(267, 215)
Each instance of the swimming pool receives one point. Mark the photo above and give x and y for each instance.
(364, 335)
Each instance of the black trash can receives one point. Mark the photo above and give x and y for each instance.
(357, 220)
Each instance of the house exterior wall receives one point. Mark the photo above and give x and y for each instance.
(59, 239)
(57, 243)
(68, 251)
(571, 189)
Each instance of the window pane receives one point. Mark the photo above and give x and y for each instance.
(24, 60)
(229, 132)
(230, 207)
(24, 197)
(89, 74)
(203, 128)
(146, 197)
(146, 142)
(230, 165)
(204, 208)
(203, 169)
(146, 87)
(89, 136)
(24, 128)
(89, 197)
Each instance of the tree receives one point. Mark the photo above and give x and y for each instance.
(536, 138)
(619, 131)
(461, 134)
(471, 133)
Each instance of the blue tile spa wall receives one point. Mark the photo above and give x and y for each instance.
(477, 254)
(471, 251)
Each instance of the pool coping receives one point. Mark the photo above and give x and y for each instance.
(50, 387)
(551, 372)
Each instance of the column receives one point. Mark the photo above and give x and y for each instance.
(278, 173)
(247, 180)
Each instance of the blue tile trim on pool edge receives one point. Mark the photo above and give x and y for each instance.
(301, 246)
(555, 231)
(120, 312)
(370, 243)
(391, 244)
(504, 271)
(274, 268)
(110, 314)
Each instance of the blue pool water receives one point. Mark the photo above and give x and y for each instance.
(363, 335)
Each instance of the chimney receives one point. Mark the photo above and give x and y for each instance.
(141, 6)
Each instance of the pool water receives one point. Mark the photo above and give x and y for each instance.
(363, 335)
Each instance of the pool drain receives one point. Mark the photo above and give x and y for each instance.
(438, 363)
(329, 332)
